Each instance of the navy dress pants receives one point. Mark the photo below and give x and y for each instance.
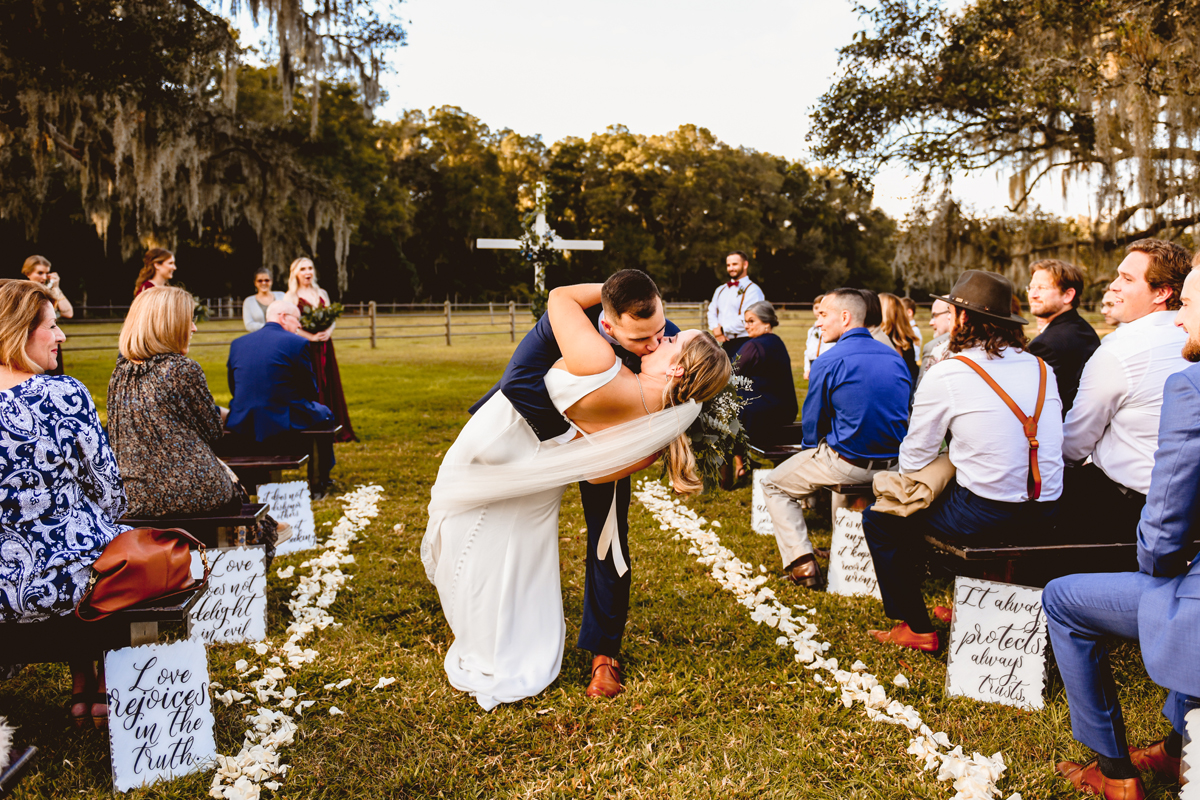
(898, 543)
(1084, 614)
(605, 594)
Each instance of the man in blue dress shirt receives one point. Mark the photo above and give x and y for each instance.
(854, 418)
(1158, 606)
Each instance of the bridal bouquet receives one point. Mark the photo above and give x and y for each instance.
(319, 318)
(718, 432)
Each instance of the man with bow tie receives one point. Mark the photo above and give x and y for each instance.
(730, 301)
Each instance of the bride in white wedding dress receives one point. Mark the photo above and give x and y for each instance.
(491, 545)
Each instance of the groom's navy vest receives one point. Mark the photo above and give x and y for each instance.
(524, 379)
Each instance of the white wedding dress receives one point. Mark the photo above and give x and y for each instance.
(491, 545)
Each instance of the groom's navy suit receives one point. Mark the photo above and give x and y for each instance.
(605, 594)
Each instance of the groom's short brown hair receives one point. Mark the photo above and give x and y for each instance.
(632, 292)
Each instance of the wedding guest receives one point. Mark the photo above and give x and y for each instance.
(304, 293)
(1115, 416)
(163, 421)
(158, 267)
(874, 317)
(854, 416)
(771, 400)
(1157, 606)
(274, 389)
(57, 519)
(1003, 485)
(813, 345)
(1067, 341)
(941, 318)
(37, 269)
(730, 301)
(899, 331)
(254, 308)
(1106, 306)
(910, 311)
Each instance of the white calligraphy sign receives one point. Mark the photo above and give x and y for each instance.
(160, 716)
(234, 609)
(997, 643)
(851, 570)
(760, 518)
(290, 502)
(1190, 756)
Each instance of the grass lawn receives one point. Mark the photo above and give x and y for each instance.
(713, 707)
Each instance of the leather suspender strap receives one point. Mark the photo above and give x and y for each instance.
(1030, 424)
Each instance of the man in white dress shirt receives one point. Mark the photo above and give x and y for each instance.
(1116, 412)
(730, 300)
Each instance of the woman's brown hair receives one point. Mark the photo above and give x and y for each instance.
(706, 371)
(32, 263)
(895, 322)
(154, 256)
(22, 309)
(977, 330)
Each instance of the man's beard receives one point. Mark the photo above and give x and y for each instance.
(1046, 311)
(1191, 349)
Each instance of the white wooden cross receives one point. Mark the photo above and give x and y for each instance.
(542, 231)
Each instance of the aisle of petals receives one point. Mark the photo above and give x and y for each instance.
(257, 764)
(973, 778)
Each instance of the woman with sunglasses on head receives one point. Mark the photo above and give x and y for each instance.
(254, 309)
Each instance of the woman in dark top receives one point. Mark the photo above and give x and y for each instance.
(163, 422)
(158, 267)
(765, 360)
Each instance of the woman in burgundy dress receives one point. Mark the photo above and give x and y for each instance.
(305, 293)
(158, 267)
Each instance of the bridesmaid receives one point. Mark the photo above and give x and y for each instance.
(158, 267)
(305, 293)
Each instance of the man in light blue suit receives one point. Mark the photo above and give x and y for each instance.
(1158, 606)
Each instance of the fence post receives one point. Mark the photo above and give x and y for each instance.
(447, 323)
(492, 310)
(703, 315)
(512, 320)
(371, 314)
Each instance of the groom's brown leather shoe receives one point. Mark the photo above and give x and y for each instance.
(1154, 758)
(1088, 779)
(905, 637)
(805, 571)
(606, 678)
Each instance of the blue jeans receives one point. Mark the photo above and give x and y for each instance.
(898, 545)
(1083, 614)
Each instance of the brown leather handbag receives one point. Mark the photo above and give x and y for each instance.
(139, 565)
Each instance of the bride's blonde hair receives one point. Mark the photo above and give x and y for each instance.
(706, 371)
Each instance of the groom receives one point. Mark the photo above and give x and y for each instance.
(630, 316)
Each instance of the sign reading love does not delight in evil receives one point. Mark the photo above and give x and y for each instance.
(159, 712)
(997, 643)
(234, 608)
(290, 502)
(851, 570)
(760, 518)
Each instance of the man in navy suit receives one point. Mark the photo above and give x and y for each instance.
(1158, 606)
(630, 316)
(274, 387)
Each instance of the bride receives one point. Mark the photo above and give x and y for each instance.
(491, 545)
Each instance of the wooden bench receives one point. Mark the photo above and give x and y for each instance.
(255, 470)
(66, 638)
(1032, 564)
(213, 530)
(786, 445)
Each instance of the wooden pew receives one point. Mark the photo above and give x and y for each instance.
(66, 638)
(255, 470)
(786, 445)
(214, 530)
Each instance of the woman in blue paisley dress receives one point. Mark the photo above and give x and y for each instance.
(60, 490)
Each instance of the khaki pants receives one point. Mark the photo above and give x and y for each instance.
(797, 478)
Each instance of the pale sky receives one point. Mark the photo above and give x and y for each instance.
(748, 71)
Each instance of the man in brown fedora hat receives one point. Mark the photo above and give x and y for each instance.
(1001, 408)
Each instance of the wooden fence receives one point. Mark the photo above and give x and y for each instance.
(360, 322)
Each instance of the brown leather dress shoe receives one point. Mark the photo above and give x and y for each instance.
(904, 636)
(1088, 779)
(1154, 758)
(805, 571)
(606, 678)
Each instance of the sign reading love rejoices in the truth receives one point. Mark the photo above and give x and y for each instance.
(234, 608)
(290, 502)
(851, 570)
(160, 715)
(997, 647)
